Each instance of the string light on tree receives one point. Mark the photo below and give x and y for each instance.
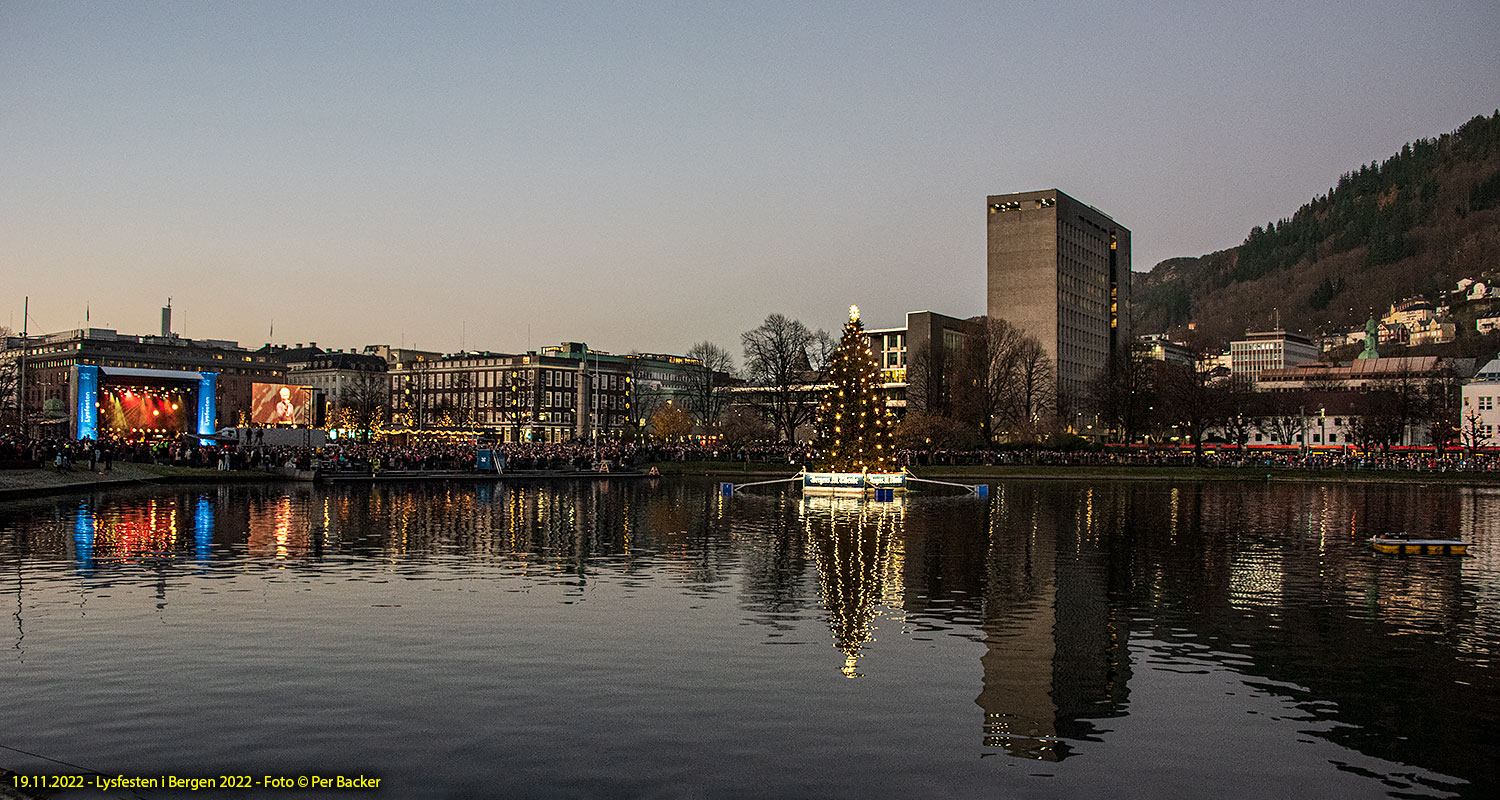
(854, 429)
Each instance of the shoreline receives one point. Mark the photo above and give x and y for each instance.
(979, 474)
(24, 483)
(19, 484)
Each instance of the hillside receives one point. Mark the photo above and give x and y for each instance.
(1409, 226)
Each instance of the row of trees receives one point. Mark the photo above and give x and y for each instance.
(1142, 397)
(997, 383)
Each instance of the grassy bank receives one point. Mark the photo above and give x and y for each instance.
(976, 474)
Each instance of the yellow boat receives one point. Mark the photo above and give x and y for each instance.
(1408, 545)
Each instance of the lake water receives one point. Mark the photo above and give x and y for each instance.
(654, 639)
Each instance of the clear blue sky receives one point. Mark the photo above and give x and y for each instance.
(645, 175)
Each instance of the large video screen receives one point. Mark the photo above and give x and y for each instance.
(280, 404)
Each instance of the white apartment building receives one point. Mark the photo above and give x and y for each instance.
(1263, 350)
(1481, 398)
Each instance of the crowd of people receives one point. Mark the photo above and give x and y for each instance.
(1219, 458)
(463, 456)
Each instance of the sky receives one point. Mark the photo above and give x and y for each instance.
(643, 175)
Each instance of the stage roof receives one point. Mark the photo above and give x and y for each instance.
(169, 374)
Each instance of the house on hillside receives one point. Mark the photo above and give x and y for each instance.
(1394, 333)
(1410, 312)
(1488, 324)
(1433, 331)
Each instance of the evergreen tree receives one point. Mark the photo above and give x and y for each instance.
(854, 430)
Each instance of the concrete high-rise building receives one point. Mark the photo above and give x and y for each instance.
(1060, 270)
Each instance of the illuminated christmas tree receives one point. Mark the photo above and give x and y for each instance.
(854, 430)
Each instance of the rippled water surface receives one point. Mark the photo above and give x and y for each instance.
(656, 639)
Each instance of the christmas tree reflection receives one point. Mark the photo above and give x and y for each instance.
(859, 557)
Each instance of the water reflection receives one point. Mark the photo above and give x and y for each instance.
(1055, 628)
(856, 545)
(1065, 594)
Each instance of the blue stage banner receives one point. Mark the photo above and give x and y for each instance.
(208, 389)
(88, 402)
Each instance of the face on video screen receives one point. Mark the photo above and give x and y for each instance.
(280, 404)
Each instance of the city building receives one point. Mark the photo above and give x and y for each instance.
(1263, 350)
(91, 382)
(1320, 405)
(1362, 374)
(397, 357)
(293, 358)
(531, 397)
(1481, 407)
(555, 394)
(1432, 331)
(340, 377)
(1160, 347)
(1410, 312)
(1216, 362)
(918, 352)
(1060, 270)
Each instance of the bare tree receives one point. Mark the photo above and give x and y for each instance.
(1124, 393)
(705, 380)
(1475, 433)
(465, 394)
(785, 361)
(739, 428)
(1288, 419)
(1032, 398)
(364, 404)
(1187, 398)
(1002, 381)
(1440, 409)
(647, 392)
(1379, 419)
(926, 391)
(1236, 409)
(919, 430)
(983, 371)
(10, 384)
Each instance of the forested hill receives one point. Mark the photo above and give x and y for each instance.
(1412, 225)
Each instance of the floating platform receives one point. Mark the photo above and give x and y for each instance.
(1401, 544)
(851, 482)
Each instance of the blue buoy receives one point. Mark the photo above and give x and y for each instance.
(726, 489)
(982, 490)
